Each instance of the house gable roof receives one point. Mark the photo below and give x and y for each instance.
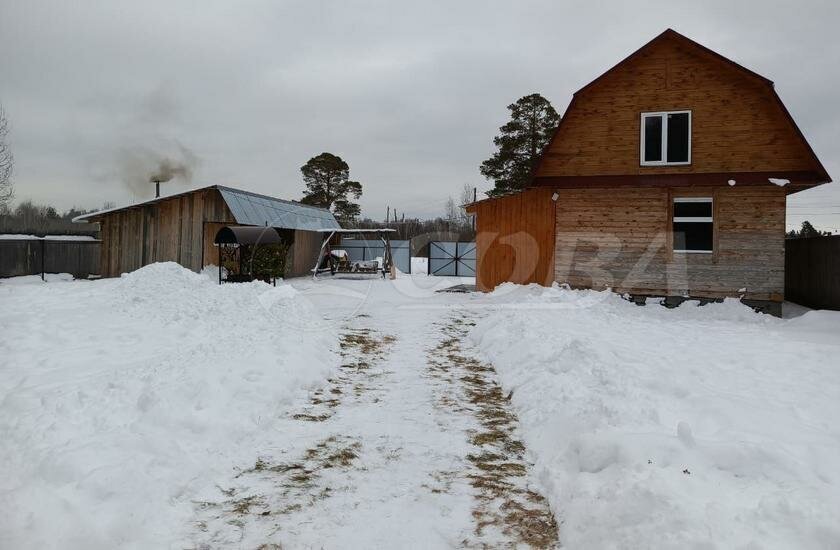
(803, 179)
(671, 33)
(248, 209)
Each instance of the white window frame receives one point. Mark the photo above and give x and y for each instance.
(664, 116)
(696, 219)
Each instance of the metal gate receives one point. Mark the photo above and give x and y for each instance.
(454, 259)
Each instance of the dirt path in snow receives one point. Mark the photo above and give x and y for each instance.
(411, 444)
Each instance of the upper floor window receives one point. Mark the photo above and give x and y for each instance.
(666, 138)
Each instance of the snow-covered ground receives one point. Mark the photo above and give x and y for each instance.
(708, 427)
(121, 399)
(161, 410)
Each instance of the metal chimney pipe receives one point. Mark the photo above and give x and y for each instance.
(157, 189)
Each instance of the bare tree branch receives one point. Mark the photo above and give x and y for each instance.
(7, 162)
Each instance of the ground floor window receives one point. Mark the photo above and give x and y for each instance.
(693, 225)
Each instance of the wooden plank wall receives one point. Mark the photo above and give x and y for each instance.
(211, 251)
(24, 257)
(621, 238)
(737, 125)
(303, 253)
(515, 239)
(176, 229)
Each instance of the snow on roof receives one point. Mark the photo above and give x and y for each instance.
(251, 209)
(21, 237)
(341, 230)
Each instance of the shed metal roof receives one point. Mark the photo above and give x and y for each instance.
(253, 209)
(250, 209)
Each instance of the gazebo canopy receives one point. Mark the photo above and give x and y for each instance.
(247, 235)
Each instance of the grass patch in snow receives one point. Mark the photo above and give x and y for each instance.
(362, 347)
(297, 484)
(311, 417)
(365, 342)
(504, 504)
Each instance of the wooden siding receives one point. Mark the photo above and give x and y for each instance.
(738, 124)
(176, 229)
(621, 238)
(303, 252)
(515, 239)
(211, 251)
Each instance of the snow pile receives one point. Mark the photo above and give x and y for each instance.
(706, 426)
(122, 399)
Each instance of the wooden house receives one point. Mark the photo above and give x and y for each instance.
(667, 176)
(181, 228)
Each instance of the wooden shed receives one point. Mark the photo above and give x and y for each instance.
(181, 228)
(667, 176)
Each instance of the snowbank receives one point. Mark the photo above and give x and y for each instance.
(696, 427)
(121, 399)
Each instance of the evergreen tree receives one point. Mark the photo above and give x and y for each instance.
(328, 185)
(807, 231)
(522, 140)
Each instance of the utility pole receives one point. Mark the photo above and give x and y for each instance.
(475, 196)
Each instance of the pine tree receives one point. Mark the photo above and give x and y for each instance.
(807, 231)
(328, 185)
(520, 144)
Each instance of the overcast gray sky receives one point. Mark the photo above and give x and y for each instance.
(410, 94)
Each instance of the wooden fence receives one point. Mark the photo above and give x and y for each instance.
(812, 272)
(38, 256)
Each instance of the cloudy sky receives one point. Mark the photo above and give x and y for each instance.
(410, 94)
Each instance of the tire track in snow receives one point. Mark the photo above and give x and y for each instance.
(398, 449)
(253, 507)
(506, 508)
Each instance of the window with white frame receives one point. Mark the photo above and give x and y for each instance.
(693, 225)
(666, 138)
